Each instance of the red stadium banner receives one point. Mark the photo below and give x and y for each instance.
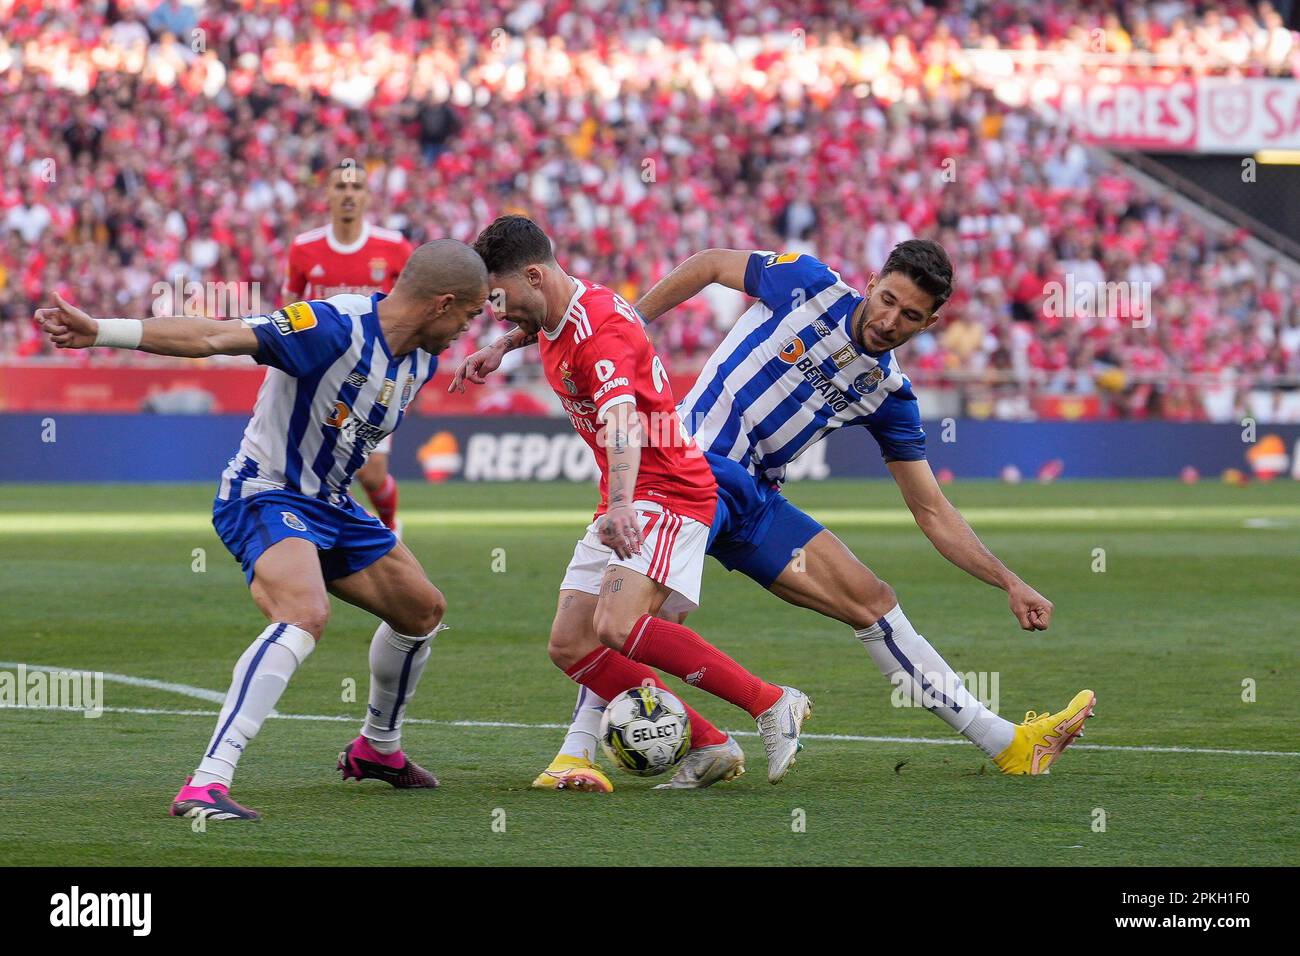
(89, 388)
(1207, 115)
(1149, 116)
(195, 388)
(1068, 408)
(1239, 115)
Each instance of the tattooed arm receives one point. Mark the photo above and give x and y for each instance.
(620, 528)
(487, 360)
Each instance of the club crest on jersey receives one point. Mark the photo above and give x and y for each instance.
(868, 382)
(294, 318)
(386, 393)
(566, 376)
(844, 356)
(408, 391)
(292, 521)
(792, 351)
(378, 269)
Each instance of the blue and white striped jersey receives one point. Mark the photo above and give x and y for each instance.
(332, 392)
(790, 372)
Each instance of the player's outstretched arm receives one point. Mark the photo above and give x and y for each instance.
(693, 276)
(188, 337)
(487, 360)
(955, 540)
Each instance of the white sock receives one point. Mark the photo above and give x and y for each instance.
(396, 663)
(583, 737)
(260, 677)
(908, 660)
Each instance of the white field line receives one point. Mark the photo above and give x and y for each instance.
(135, 522)
(183, 689)
(202, 694)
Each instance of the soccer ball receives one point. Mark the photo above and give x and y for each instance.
(645, 730)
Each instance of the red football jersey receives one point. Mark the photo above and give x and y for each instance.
(599, 356)
(320, 266)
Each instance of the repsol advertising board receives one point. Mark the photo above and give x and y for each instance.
(66, 447)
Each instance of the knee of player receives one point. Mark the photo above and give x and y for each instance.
(312, 618)
(870, 607)
(427, 614)
(564, 649)
(611, 629)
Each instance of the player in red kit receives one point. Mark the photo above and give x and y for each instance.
(638, 567)
(351, 255)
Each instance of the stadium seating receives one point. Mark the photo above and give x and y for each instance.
(173, 138)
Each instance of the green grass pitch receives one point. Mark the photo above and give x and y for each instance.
(1198, 595)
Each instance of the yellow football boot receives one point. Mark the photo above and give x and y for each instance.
(573, 773)
(1039, 740)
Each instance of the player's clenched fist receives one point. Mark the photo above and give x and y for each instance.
(67, 326)
(1032, 610)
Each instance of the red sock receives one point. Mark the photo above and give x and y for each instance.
(385, 501)
(679, 651)
(608, 673)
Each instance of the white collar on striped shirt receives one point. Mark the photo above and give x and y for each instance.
(578, 292)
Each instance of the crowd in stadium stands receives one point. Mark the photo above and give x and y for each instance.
(166, 139)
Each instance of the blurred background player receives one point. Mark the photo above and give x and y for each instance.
(341, 374)
(351, 254)
(643, 553)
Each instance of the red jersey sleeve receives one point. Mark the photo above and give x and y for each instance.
(295, 277)
(606, 364)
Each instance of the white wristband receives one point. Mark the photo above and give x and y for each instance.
(119, 333)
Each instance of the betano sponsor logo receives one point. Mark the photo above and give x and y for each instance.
(353, 429)
(824, 386)
(613, 383)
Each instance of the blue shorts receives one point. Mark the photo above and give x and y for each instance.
(348, 537)
(755, 530)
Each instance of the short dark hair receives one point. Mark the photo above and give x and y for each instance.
(511, 243)
(926, 263)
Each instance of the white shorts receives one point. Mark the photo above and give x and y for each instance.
(672, 554)
(385, 446)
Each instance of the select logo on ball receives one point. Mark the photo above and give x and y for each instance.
(645, 731)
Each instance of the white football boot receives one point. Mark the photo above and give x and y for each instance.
(779, 726)
(706, 766)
